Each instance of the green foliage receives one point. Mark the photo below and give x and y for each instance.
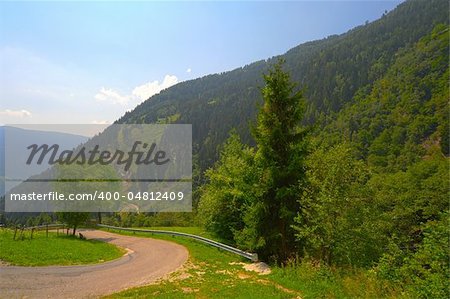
(373, 189)
(425, 271)
(251, 198)
(405, 115)
(130, 219)
(407, 200)
(229, 190)
(281, 148)
(73, 219)
(413, 203)
(335, 223)
(315, 280)
(95, 174)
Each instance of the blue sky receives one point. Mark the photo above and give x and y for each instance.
(89, 62)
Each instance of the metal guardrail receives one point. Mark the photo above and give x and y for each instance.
(251, 256)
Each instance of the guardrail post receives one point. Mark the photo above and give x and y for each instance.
(255, 257)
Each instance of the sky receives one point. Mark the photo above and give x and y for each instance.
(90, 62)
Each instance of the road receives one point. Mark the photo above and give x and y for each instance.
(146, 260)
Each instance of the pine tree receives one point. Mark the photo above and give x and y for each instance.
(281, 149)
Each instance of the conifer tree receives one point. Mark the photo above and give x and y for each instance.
(281, 149)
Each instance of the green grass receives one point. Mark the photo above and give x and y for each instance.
(315, 281)
(54, 250)
(210, 273)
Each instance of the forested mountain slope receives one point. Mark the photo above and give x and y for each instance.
(404, 115)
(331, 70)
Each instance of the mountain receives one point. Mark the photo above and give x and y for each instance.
(21, 138)
(403, 116)
(333, 72)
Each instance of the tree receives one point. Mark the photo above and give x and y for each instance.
(92, 184)
(337, 221)
(229, 189)
(281, 150)
(73, 219)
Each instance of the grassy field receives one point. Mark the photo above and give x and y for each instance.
(211, 273)
(54, 250)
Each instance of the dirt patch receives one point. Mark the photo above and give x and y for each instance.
(260, 267)
(242, 275)
(3, 264)
(176, 277)
(181, 274)
(184, 272)
(227, 272)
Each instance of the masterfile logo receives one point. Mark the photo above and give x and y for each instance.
(95, 156)
(146, 168)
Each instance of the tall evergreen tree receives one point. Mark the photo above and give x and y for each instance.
(281, 149)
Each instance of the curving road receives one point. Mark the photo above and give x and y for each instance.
(146, 260)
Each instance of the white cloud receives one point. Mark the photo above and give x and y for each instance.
(109, 95)
(145, 91)
(100, 122)
(188, 70)
(15, 113)
(139, 93)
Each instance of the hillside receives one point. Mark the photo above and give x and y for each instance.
(402, 116)
(331, 71)
(21, 138)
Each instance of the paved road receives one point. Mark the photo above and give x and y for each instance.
(146, 261)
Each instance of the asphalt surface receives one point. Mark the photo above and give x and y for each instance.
(146, 261)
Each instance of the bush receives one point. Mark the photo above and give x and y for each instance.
(425, 271)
